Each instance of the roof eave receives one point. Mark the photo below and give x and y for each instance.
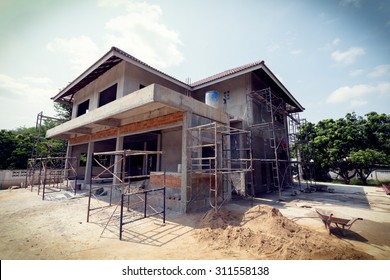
(115, 52)
(281, 86)
(248, 70)
(104, 58)
(229, 76)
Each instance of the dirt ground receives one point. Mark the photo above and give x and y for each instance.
(263, 228)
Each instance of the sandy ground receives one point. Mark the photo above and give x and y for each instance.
(264, 228)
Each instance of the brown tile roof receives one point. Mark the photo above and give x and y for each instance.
(227, 73)
(145, 64)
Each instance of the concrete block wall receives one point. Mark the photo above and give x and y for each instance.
(172, 184)
(199, 191)
(113, 76)
(10, 178)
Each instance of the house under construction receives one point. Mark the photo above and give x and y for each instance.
(203, 141)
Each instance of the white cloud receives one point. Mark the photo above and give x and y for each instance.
(21, 99)
(296, 52)
(349, 56)
(380, 71)
(141, 33)
(356, 72)
(138, 31)
(331, 46)
(358, 95)
(336, 41)
(26, 87)
(111, 3)
(81, 50)
(355, 3)
(273, 47)
(357, 103)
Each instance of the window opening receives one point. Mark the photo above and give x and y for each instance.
(108, 95)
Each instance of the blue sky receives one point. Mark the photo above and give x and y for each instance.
(332, 55)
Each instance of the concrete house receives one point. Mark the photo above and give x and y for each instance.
(223, 134)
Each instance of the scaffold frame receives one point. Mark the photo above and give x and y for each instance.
(222, 163)
(120, 180)
(278, 128)
(52, 174)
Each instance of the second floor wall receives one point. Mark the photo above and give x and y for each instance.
(121, 80)
(126, 78)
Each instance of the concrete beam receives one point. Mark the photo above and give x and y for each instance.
(82, 130)
(150, 101)
(131, 101)
(109, 122)
(185, 103)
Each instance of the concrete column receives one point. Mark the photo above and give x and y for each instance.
(186, 124)
(228, 195)
(145, 163)
(118, 166)
(90, 150)
(67, 160)
(69, 151)
(158, 163)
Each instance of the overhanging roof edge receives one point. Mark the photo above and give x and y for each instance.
(281, 86)
(123, 56)
(228, 76)
(90, 69)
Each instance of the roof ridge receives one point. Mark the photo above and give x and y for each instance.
(227, 73)
(201, 81)
(144, 63)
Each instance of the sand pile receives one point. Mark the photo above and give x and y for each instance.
(265, 233)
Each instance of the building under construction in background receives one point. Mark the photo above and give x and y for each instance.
(228, 134)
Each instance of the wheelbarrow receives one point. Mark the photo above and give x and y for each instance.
(341, 223)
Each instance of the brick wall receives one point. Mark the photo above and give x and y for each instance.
(129, 128)
(105, 133)
(155, 122)
(79, 139)
(172, 180)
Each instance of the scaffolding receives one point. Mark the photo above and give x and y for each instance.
(38, 131)
(52, 174)
(295, 125)
(275, 124)
(114, 177)
(218, 157)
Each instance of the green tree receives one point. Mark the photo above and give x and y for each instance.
(17, 145)
(364, 162)
(8, 144)
(16, 149)
(63, 111)
(348, 146)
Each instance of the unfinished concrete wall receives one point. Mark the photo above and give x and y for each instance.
(80, 152)
(136, 78)
(113, 76)
(235, 90)
(77, 152)
(172, 183)
(199, 197)
(172, 148)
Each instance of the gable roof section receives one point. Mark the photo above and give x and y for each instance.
(258, 68)
(115, 55)
(226, 74)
